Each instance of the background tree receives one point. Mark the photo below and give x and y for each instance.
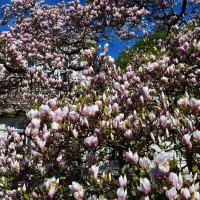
(51, 35)
(146, 45)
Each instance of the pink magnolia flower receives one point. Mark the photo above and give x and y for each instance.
(128, 134)
(59, 158)
(177, 181)
(65, 111)
(35, 123)
(115, 107)
(44, 110)
(122, 181)
(84, 121)
(28, 131)
(94, 170)
(73, 117)
(99, 103)
(91, 142)
(15, 166)
(117, 15)
(1, 194)
(87, 53)
(196, 196)
(57, 115)
(163, 121)
(44, 130)
(183, 39)
(152, 117)
(145, 186)
(185, 194)
(186, 140)
(144, 162)
(34, 133)
(47, 136)
(164, 79)
(55, 126)
(132, 158)
(53, 103)
(24, 188)
(195, 104)
(122, 194)
(52, 191)
(93, 109)
(116, 121)
(79, 195)
(183, 102)
(84, 110)
(141, 99)
(110, 60)
(51, 186)
(160, 157)
(75, 187)
(152, 137)
(145, 91)
(171, 194)
(182, 50)
(75, 133)
(32, 114)
(41, 143)
(77, 190)
(163, 168)
(196, 136)
(193, 188)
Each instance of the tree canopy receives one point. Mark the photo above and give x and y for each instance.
(117, 130)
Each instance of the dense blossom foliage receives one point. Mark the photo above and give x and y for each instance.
(130, 133)
(53, 36)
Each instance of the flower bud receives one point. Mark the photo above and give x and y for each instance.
(122, 181)
(185, 193)
(145, 186)
(132, 158)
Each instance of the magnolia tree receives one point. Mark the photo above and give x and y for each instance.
(117, 134)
